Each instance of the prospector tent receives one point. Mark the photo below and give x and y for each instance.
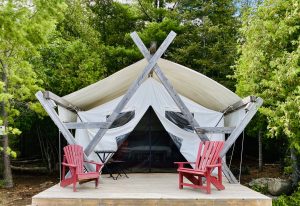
(101, 100)
(190, 106)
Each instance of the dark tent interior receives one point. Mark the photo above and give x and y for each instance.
(149, 147)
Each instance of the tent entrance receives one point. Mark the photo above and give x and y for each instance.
(149, 147)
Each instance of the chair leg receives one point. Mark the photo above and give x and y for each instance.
(96, 182)
(74, 186)
(74, 183)
(180, 180)
(208, 185)
(200, 180)
(220, 175)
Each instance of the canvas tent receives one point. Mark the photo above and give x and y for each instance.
(176, 93)
(101, 104)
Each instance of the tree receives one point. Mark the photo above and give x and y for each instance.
(114, 22)
(24, 28)
(152, 10)
(208, 41)
(269, 67)
(74, 55)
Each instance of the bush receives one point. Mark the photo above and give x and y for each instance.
(292, 200)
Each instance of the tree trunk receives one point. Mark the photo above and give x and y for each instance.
(260, 155)
(7, 175)
(296, 173)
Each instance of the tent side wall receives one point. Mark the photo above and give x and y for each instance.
(151, 93)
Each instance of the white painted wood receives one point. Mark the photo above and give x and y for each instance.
(53, 115)
(132, 89)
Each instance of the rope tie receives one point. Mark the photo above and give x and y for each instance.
(241, 162)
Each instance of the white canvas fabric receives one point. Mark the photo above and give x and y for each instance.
(204, 97)
(150, 93)
(187, 82)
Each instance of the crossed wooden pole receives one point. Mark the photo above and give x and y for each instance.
(251, 103)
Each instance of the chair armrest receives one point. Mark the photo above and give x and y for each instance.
(215, 165)
(184, 162)
(68, 165)
(98, 165)
(181, 164)
(92, 162)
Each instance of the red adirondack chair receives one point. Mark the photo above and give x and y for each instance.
(208, 158)
(73, 158)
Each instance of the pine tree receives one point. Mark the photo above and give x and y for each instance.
(208, 40)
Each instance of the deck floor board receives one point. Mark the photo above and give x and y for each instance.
(157, 189)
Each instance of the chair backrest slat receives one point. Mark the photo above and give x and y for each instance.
(208, 153)
(74, 155)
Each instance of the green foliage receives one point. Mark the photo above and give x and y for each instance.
(158, 31)
(269, 65)
(207, 42)
(24, 27)
(152, 10)
(73, 57)
(292, 200)
(1, 183)
(260, 188)
(9, 152)
(114, 22)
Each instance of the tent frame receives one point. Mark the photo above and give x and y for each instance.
(50, 100)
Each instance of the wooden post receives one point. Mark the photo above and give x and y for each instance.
(252, 109)
(61, 102)
(66, 133)
(132, 89)
(86, 125)
(260, 156)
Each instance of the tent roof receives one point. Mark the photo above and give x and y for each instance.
(186, 82)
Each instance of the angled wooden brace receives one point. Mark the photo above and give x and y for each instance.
(187, 114)
(164, 80)
(252, 108)
(132, 89)
(60, 125)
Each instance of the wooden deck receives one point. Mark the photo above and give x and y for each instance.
(154, 189)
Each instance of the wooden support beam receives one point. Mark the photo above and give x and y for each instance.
(228, 174)
(60, 101)
(60, 125)
(187, 114)
(132, 89)
(164, 80)
(214, 130)
(252, 109)
(86, 125)
(239, 104)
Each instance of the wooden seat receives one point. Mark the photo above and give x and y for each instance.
(73, 159)
(208, 158)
